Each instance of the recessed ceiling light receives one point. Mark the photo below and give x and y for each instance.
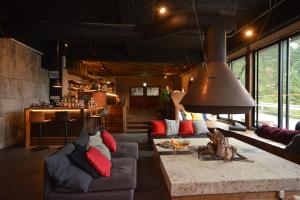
(162, 10)
(249, 33)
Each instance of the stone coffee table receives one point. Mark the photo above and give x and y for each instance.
(262, 176)
(194, 142)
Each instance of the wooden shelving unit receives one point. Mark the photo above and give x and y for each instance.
(82, 75)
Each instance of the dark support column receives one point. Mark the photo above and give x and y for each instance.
(249, 85)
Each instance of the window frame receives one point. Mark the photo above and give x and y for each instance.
(283, 64)
(229, 63)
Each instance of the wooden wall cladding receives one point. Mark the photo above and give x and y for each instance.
(114, 120)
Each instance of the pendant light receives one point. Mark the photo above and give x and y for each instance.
(57, 84)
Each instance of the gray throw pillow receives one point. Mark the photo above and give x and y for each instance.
(172, 127)
(66, 174)
(104, 150)
(200, 127)
(294, 145)
(67, 149)
(83, 138)
(96, 141)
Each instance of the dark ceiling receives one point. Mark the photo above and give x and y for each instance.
(100, 30)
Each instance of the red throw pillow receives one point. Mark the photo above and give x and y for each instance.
(281, 135)
(99, 161)
(186, 127)
(158, 127)
(109, 141)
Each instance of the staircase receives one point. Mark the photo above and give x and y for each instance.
(137, 120)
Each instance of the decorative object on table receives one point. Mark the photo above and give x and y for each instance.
(218, 148)
(174, 144)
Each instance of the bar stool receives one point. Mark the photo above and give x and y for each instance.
(38, 118)
(96, 118)
(64, 117)
(104, 112)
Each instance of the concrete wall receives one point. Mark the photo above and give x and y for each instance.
(124, 84)
(23, 82)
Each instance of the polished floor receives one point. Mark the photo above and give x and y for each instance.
(21, 174)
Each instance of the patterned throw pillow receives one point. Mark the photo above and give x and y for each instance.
(200, 127)
(171, 127)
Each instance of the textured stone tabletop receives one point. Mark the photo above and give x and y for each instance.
(186, 175)
(193, 142)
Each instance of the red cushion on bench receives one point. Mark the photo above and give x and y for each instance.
(281, 135)
(158, 127)
(186, 127)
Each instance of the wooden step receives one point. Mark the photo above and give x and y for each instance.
(138, 120)
(136, 127)
(136, 130)
(138, 123)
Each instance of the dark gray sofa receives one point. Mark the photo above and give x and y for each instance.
(119, 186)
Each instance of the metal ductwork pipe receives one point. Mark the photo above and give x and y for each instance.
(48, 30)
(182, 21)
(216, 90)
(115, 32)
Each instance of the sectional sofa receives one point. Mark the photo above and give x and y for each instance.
(119, 186)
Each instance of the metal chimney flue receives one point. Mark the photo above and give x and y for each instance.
(216, 90)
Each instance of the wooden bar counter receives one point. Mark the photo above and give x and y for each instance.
(53, 132)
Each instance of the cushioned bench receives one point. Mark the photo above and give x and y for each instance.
(268, 145)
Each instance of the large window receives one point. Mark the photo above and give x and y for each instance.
(238, 68)
(277, 84)
(266, 79)
(293, 89)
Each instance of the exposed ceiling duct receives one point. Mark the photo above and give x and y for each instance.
(183, 20)
(216, 90)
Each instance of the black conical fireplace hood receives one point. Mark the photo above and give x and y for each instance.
(216, 90)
